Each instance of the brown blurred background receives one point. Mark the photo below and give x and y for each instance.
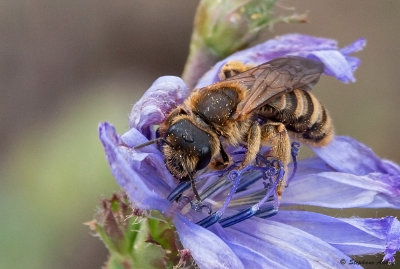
(67, 65)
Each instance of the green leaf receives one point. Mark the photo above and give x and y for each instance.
(163, 232)
(146, 254)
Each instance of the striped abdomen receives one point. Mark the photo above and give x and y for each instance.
(302, 114)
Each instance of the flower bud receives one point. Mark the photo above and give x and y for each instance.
(136, 238)
(226, 26)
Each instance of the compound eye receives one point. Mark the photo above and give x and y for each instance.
(192, 141)
(204, 157)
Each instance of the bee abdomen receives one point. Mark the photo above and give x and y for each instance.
(303, 115)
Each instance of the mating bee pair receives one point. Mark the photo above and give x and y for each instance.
(262, 105)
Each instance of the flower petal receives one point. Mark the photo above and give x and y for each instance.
(356, 46)
(336, 65)
(387, 228)
(163, 95)
(311, 166)
(342, 190)
(339, 64)
(362, 180)
(295, 242)
(354, 236)
(346, 154)
(257, 253)
(207, 249)
(133, 138)
(135, 173)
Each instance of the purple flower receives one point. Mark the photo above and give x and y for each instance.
(344, 174)
(337, 61)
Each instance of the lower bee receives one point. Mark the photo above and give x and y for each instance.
(266, 105)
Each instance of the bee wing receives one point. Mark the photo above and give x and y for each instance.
(274, 78)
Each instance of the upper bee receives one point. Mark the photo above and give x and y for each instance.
(226, 112)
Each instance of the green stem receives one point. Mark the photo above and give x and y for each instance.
(201, 59)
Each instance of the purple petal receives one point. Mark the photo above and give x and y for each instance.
(163, 95)
(252, 251)
(136, 173)
(387, 228)
(342, 190)
(295, 242)
(353, 62)
(207, 249)
(318, 184)
(393, 242)
(354, 236)
(347, 155)
(338, 62)
(336, 65)
(356, 46)
(133, 138)
(312, 166)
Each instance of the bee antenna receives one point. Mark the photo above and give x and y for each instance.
(165, 141)
(192, 182)
(149, 143)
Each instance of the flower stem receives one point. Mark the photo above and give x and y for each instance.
(201, 58)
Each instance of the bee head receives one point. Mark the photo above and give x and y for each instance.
(187, 149)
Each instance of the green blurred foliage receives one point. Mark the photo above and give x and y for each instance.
(136, 238)
(52, 181)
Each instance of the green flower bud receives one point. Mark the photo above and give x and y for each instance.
(228, 25)
(135, 238)
(222, 27)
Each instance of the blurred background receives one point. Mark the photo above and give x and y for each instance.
(65, 66)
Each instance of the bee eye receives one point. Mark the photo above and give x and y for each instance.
(204, 157)
(193, 143)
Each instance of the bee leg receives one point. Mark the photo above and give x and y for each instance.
(276, 135)
(194, 189)
(232, 68)
(253, 145)
(223, 162)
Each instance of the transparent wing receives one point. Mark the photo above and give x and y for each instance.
(274, 78)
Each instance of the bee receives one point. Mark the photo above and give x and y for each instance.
(266, 105)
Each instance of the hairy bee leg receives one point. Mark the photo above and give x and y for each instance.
(223, 162)
(253, 145)
(192, 182)
(232, 68)
(194, 189)
(276, 135)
